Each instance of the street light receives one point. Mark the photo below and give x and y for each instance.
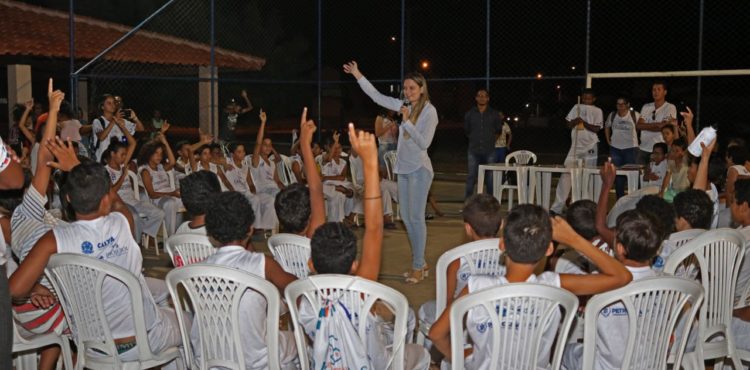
(425, 64)
(572, 68)
(539, 76)
(393, 38)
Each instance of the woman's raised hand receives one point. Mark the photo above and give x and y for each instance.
(353, 69)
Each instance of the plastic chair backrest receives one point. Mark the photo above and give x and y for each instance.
(134, 182)
(187, 249)
(284, 168)
(215, 292)
(628, 202)
(536, 306)
(521, 157)
(354, 172)
(654, 306)
(358, 295)
(292, 252)
(78, 281)
(718, 254)
(478, 254)
(681, 238)
(390, 164)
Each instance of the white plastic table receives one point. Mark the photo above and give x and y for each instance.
(540, 183)
(500, 169)
(591, 182)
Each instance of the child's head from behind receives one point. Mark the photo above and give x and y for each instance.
(659, 152)
(661, 211)
(482, 217)
(581, 216)
(86, 188)
(292, 207)
(736, 155)
(740, 208)
(229, 218)
(694, 210)
(638, 237)
(12, 198)
(527, 234)
(333, 249)
(196, 190)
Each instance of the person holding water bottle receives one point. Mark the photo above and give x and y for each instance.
(413, 166)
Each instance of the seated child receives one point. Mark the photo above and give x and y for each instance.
(694, 210)
(196, 190)
(229, 221)
(334, 250)
(101, 216)
(741, 215)
(657, 169)
(267, 183)
(388, 188)
(581, 216)
(527, 238)
(482, 219)
(637, 242)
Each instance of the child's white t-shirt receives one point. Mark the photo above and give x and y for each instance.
(479, 324)
(185, 228)
(159, 178)
(743, 278)
(109, 239)
(465, 271)
(573, 262)
(612, 327)
(126, 192)
(660, 170)
(237, 176)
(253, 308)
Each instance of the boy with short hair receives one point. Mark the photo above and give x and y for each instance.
(657, 168)
(229, 220)
(103, 221)
(196, 190)
(636, 244)
(527, 238)
(482, 219)
(300, 211)
(694, 210)
(581, 216)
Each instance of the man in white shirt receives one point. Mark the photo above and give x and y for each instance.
(654, 116)
(105, 129)
(585, 120)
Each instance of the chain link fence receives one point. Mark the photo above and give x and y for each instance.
(532, 56)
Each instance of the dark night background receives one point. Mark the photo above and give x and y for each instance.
(525, 38)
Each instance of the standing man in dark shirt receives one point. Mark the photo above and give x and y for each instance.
(481, 123)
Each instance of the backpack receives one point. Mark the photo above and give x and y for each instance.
(336, 344)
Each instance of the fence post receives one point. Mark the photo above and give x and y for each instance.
(700, 66)
(212, 71)
(403, 39)
(72, 56)
(588, 36)
(487, 48)
(320, 67)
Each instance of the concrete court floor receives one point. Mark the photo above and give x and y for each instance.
(443, 233)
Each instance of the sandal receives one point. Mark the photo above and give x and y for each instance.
(425, 271)
(415, 276)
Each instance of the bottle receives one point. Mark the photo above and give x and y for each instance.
(706, 136)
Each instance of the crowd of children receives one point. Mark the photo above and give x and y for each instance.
(105, 206)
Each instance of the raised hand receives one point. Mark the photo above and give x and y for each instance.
(353, 69)
(608, 174)
(67, 158)
(307, 128)
(243, 93)
(164, 127)
(336, 136)
(708, 149)
(562, 232)
(262, 116)
(364, 144)
(29, 105)
(688, 116)
(55, 97)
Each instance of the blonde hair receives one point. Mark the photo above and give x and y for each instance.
(424, 97)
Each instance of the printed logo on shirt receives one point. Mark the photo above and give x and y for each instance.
(105, 243)
(658, 262)
(616, 311)
(87, 247)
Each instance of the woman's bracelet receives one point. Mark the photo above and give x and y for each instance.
(373, 198)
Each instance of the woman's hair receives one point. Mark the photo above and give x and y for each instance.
(148, 150)
(423, 98)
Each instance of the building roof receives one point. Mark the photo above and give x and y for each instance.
(29, 30)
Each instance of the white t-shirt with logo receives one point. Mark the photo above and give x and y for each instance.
(660, 170)
(109, 239)
(252, 309)
(479, 323)
(159, 178)
(586, 140)
(237, 176)
(624, 134)
(649, 138)
(100, 124)
(126, 192)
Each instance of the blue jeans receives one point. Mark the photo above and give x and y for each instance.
(621, 157)
(412, 193)
(500, 154)
(476, 159)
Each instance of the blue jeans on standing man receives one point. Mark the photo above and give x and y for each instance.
(621, 157)
(412, 193)
(476, 159)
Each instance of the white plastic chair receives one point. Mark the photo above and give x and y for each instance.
(389, 158)
(291, 252)
(214, 292)
(358, 295)
(25, 348)
(284, 168)
(628, 202)
(536, 307)
(145, 238)
(483, 257)
(187, 249)
(654, 307)
(520, 158)
(718, 254)
(743, 302)
(78, 281)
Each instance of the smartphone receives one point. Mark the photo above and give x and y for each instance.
(127, 112)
